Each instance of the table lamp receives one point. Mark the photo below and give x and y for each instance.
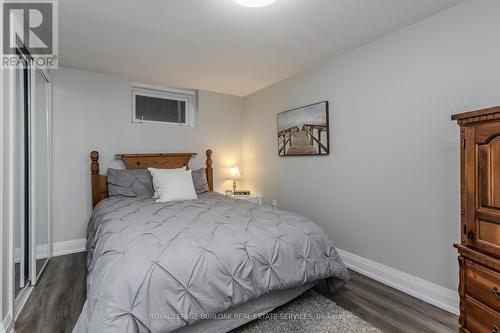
(235, 174)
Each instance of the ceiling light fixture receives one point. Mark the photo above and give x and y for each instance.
(254, 3)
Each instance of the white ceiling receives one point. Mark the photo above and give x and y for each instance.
(219, 45)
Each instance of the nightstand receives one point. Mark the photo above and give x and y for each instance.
(251, 198)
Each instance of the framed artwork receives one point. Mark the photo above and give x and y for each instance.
(304, 131)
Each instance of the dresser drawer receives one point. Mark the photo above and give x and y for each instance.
(483, 284)
(480, 318)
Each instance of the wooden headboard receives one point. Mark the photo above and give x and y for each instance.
(143, 161)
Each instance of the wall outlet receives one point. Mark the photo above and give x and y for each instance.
(274, 203)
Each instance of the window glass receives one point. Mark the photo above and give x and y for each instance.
(159, 109)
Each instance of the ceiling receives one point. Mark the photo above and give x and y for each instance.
(220, 46)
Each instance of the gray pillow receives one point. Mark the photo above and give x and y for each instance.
(130, 183)
(200, 181)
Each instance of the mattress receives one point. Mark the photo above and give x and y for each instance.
(161, 267)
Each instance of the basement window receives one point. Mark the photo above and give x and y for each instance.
(163, 105)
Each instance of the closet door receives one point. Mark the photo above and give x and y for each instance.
(21, 175)
(40, 180)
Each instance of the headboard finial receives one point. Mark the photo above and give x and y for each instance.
(209, 171)
(94, 156)
(209, 158)
(96, 178)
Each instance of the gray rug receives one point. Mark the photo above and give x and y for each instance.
(309, 313)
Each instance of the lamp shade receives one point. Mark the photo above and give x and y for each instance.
(235, 173)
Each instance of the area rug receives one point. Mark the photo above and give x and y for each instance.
(309, 313)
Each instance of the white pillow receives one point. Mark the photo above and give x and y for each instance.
(155, 172)
(175, 186)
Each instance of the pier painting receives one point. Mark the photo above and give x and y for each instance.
(304, 131)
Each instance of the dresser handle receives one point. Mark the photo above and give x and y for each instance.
(496, 292)
(495, 329)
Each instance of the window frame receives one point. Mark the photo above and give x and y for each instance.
(190, 97)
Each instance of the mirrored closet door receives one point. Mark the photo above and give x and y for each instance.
(40, 139)
(21, 171)
(32, 223)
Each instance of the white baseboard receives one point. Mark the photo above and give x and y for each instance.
(59, 249)
(429, 292)
(42, 251)
(68, 247)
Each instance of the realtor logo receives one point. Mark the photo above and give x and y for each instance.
(31, 26)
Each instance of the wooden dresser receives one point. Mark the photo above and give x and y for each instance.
(479, 250)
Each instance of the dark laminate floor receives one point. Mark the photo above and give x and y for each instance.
(389, 309)
(55, 303)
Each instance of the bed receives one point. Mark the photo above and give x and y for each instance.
(205, 265)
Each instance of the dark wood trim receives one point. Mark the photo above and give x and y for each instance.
(463, 220)
(154, 155)
(478, 256)
(160, 160)
(477, 116)
(470, 184)
(461, 290)
(143, 161)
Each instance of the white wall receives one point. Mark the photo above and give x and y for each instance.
(92, 111)
(389, 191)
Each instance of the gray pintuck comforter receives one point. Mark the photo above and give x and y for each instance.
(156, 267)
